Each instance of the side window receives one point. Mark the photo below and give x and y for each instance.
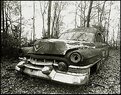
(99, 37)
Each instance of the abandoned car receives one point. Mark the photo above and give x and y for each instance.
(69, 59)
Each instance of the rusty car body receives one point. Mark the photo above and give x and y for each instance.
(69, 59)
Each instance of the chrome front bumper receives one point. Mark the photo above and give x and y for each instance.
(64, 77)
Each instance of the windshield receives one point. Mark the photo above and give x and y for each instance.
(79, 36)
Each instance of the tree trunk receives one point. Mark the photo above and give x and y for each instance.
(43, 28)
(75, 16)
(109, 20)
(102, 11)
(5, 18)
(57, 24)
(118, 36)
(49, 17)
(98, 12)
(33, 20)
(20, 24)
(113, 42)
(84, 14)
(43, 19)
(2, 8)
(6, 21)
(54, 18)
(57, 27)
(89, 12)
(80, 15)
(3, 22)
(9, 17)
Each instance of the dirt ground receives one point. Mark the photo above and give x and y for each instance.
(106, 81)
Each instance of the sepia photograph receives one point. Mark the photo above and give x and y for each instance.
(60, 47)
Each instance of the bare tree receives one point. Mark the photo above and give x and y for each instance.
(2, 16)
(112, 39)
(54, 17)
(5, 16)
(33, 20)
(57, 18)
(8, 24)
(58, 23)
(82, 6)
(80, 14)
(49, 18)
(85, 14)
(102, 11)
(43, 9)
(118, 36)
(20, 24)
(98, 10)
(76, 4)
(89, 12)
(108, 21)
(6, 19)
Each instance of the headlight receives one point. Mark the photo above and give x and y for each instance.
(75, 57)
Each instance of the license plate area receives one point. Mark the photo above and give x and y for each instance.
(31, 71)
(35, 72)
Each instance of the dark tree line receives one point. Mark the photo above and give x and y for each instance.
(10, 33)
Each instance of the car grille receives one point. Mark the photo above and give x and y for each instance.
(41, 61)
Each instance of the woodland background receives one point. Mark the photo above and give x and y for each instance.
(23, 22)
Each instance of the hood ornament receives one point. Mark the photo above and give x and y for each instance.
(36, 47)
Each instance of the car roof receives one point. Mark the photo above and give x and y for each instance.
(83, 29)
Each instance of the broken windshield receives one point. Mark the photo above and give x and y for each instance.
(79, 36)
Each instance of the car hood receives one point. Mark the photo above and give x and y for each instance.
(56, 46)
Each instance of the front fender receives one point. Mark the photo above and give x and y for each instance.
(89, 52)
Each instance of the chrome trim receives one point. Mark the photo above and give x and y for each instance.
(22, 58)
(81, 67)
(40, 63)
(74, 74)
(36, 62)
(32, 67)
(69, 78)
(85, 67)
